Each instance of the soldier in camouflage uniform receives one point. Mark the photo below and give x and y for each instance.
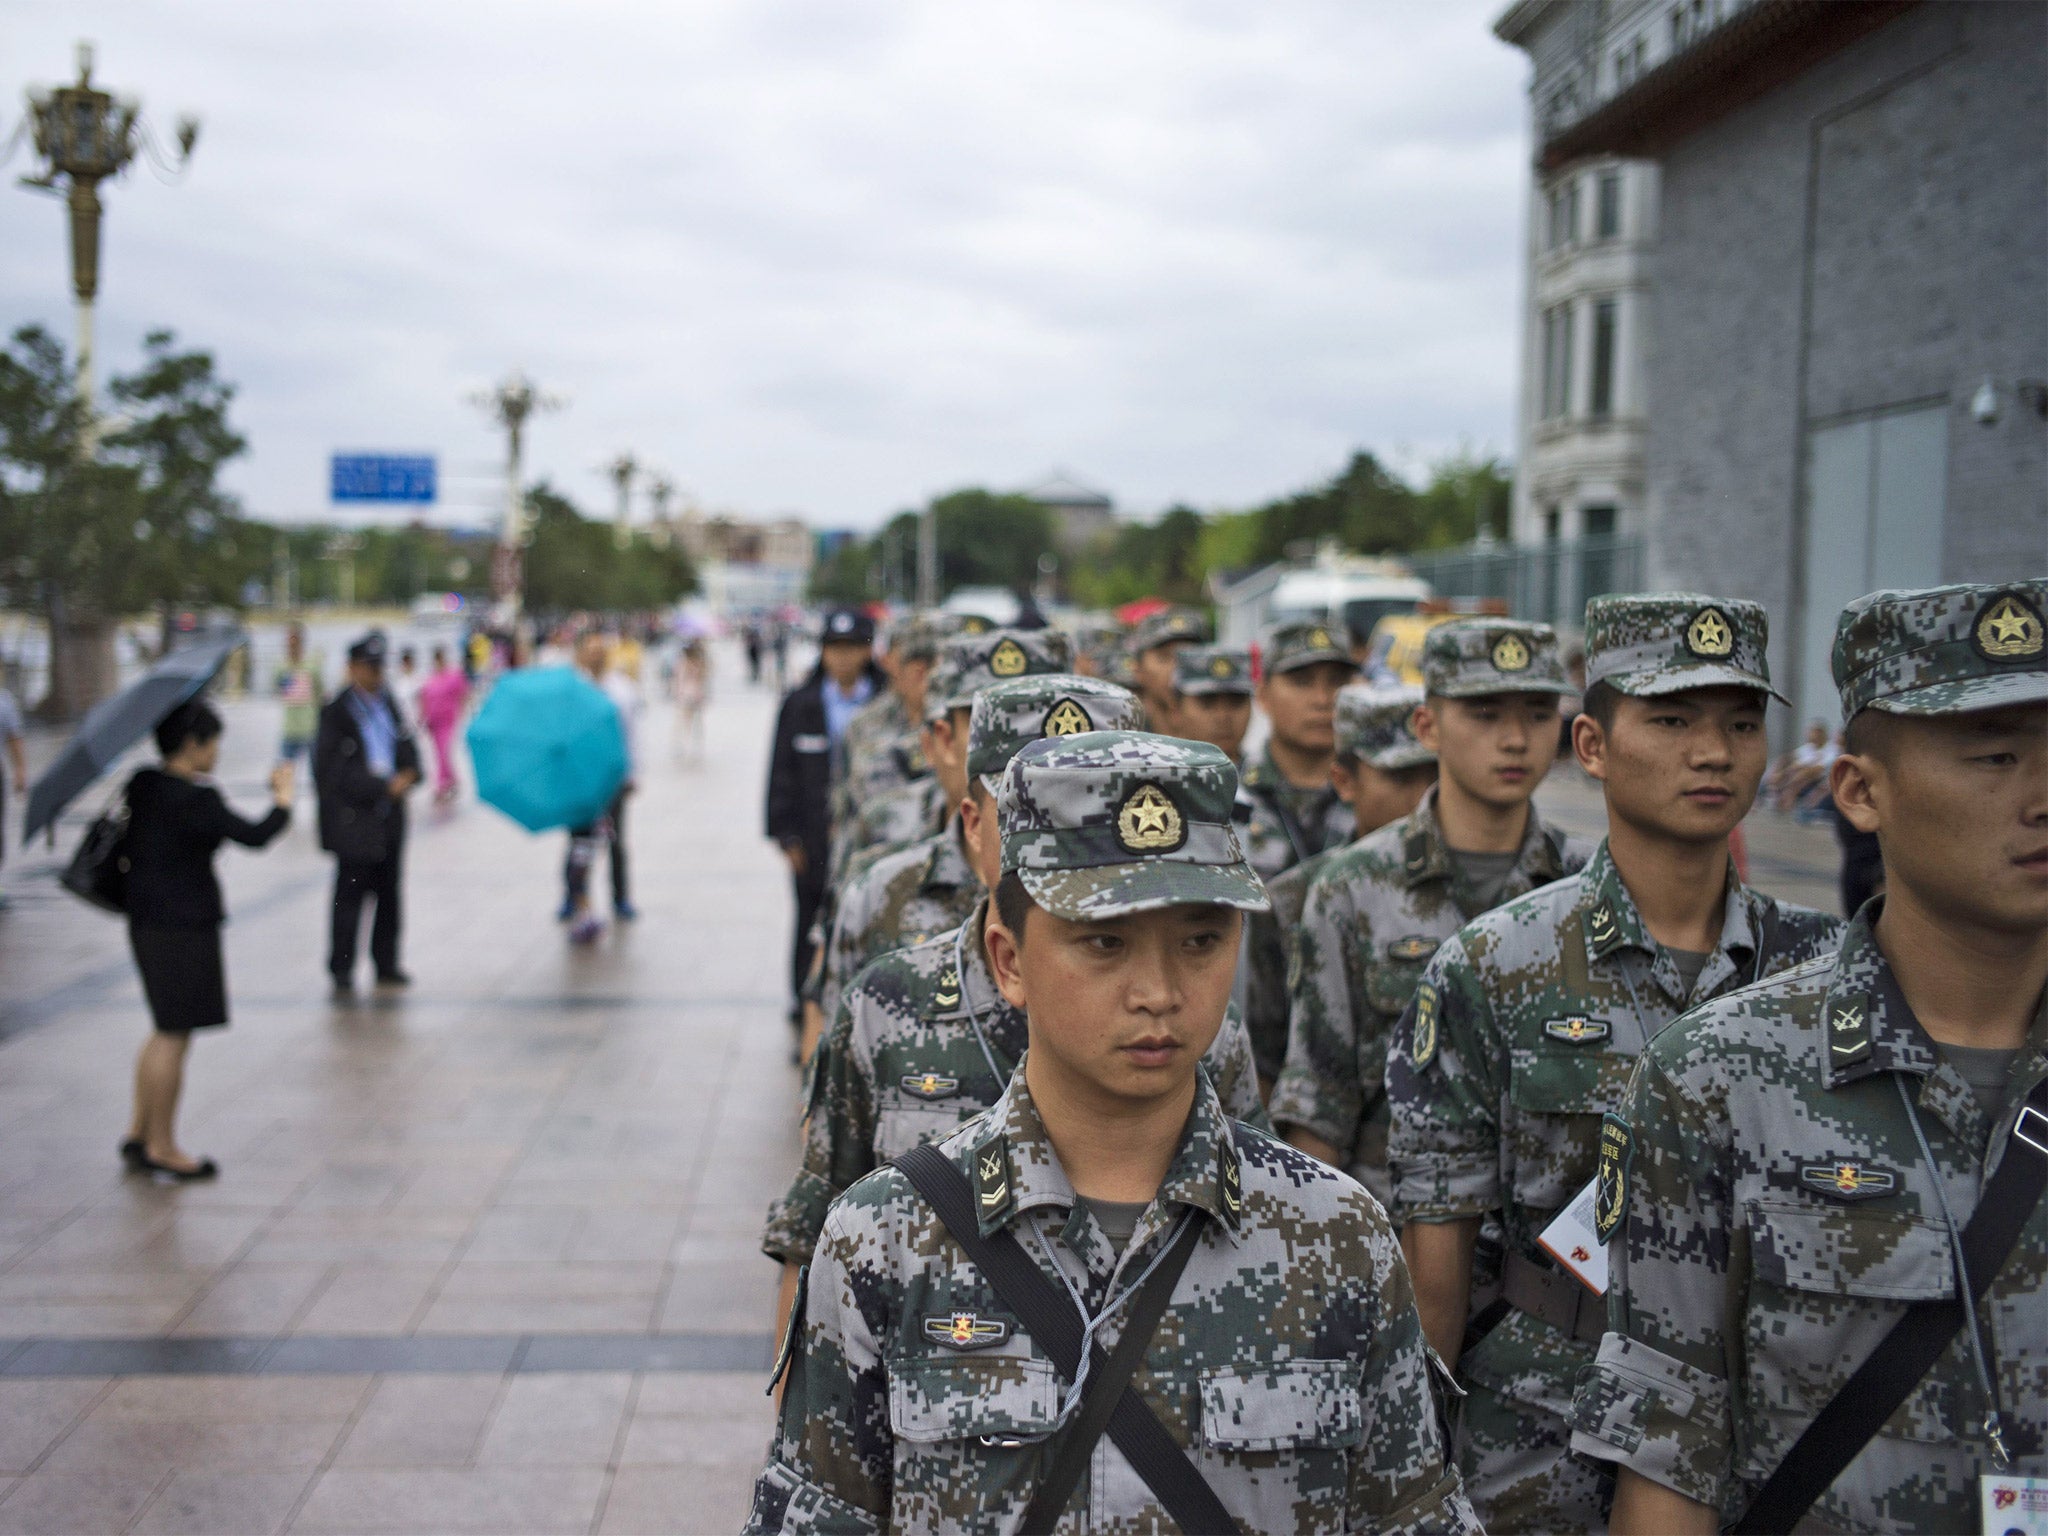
(1382, 772)
(1212, 686)
(1792, 1159)
(1288, 1365)
(1099, 651)
(1526, 1024)
(1150, 651)
(882, 749)
(1376, 912)
(922, 1039)
(1295, 810)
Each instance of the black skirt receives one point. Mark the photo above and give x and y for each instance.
(181, 977)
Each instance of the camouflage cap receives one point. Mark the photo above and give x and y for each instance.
(1943, 650)
(1376, 725)
(916, 637)
(1652, 643)
(970, 663)
(1303, 645)
(1116, 822)
(1010, 715)
(1212, 669)
(1167, 626)
(1469, 657)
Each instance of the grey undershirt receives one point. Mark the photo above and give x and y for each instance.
(1483, 874)
(1690, 963)
(1117, 1218)
(1985, 1070)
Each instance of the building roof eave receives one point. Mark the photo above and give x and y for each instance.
(1520, 18)
(1753, 52)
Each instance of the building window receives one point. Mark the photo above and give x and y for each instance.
(1607, 206)
(1599, 568)
(1564, 214)
(1557, 361)
(1602, 403)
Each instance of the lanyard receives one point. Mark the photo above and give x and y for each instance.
(1994, 1431)
(973, 1012)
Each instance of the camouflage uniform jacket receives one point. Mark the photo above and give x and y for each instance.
(1290, 1364)
(883, 753)
(1288, 823)
(902, 1064)
(892, 820)
(1498, 1091)
(1268, 938)
(1776, 1217)
(1373, 916)
(904, 897)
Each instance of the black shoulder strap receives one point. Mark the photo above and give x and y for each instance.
(1883, 1381)
(1048, 1315)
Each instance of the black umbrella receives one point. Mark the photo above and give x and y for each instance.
(114, 725)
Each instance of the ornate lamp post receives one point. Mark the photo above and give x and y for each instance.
(515, 399)
(86, 135)
(624, 470)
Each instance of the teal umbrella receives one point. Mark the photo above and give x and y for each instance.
(548, 748)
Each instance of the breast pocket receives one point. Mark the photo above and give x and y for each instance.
(969, 1433)
(901, 1126)
(1297, 1420)
(1559, 1093)
(1826, 1287)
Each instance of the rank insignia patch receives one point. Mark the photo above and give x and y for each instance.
(1578, 1031)
(1008, 660)
(1847, 1179)
(1710, 634)
(1601, 925)
(1150, 822)
(929, 1085)
(1416, 946)
(1848, 1030)
(1230, 1180)
(946, 990)
(2008, 630)
(1423, 1041)
(1610, 1198)
(1510, 654)
(1066, 718)
(992, 1197)
(966, 1330)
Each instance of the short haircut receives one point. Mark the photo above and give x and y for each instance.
(979, 792)
(1013, 903)
(1869, 733)
(193, 720)
(1601, 701)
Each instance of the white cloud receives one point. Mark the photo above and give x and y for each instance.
(813, 255)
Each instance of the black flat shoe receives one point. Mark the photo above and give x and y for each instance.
(207, 1169)
(131, 1154)
(393, 979)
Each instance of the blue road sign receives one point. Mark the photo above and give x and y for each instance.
(381, 477)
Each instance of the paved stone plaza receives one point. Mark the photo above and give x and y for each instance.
(480, 1259)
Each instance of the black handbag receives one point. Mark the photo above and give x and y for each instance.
(98, 871)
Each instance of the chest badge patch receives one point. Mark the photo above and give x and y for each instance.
(1610, 1196)
(1066, 718)
(1149, 821)
(1510, 654)
(1710, 634)
(2008, 630)
(966, 1330)
(1416, 946)
(1008, 660)
(1578, 1031)
(992, 1195)
(1846, 1179)
(1848, 1030)
(946, 990)
(1422, 1042)
(929, 1085)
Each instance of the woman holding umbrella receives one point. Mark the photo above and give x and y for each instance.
(175, 824)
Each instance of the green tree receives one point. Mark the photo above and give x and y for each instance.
(102, 518)
(575, 564)
(990, 540)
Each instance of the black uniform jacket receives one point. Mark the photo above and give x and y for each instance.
(174, 826)
(361, 821)
(800, 771)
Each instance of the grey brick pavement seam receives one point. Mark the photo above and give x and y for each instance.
(154, 1494)
(618, 1455)
(348, 1428)
(64, 1434)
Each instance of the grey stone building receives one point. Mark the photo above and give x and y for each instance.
(1847, 312)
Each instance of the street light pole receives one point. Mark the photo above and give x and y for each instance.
(86, 135)
(623, 469)
(512, 402)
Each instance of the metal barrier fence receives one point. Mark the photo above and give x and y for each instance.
(1545, 582)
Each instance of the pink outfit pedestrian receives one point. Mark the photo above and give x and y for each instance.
(442, 697)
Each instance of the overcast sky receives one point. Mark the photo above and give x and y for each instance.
(817, 256)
